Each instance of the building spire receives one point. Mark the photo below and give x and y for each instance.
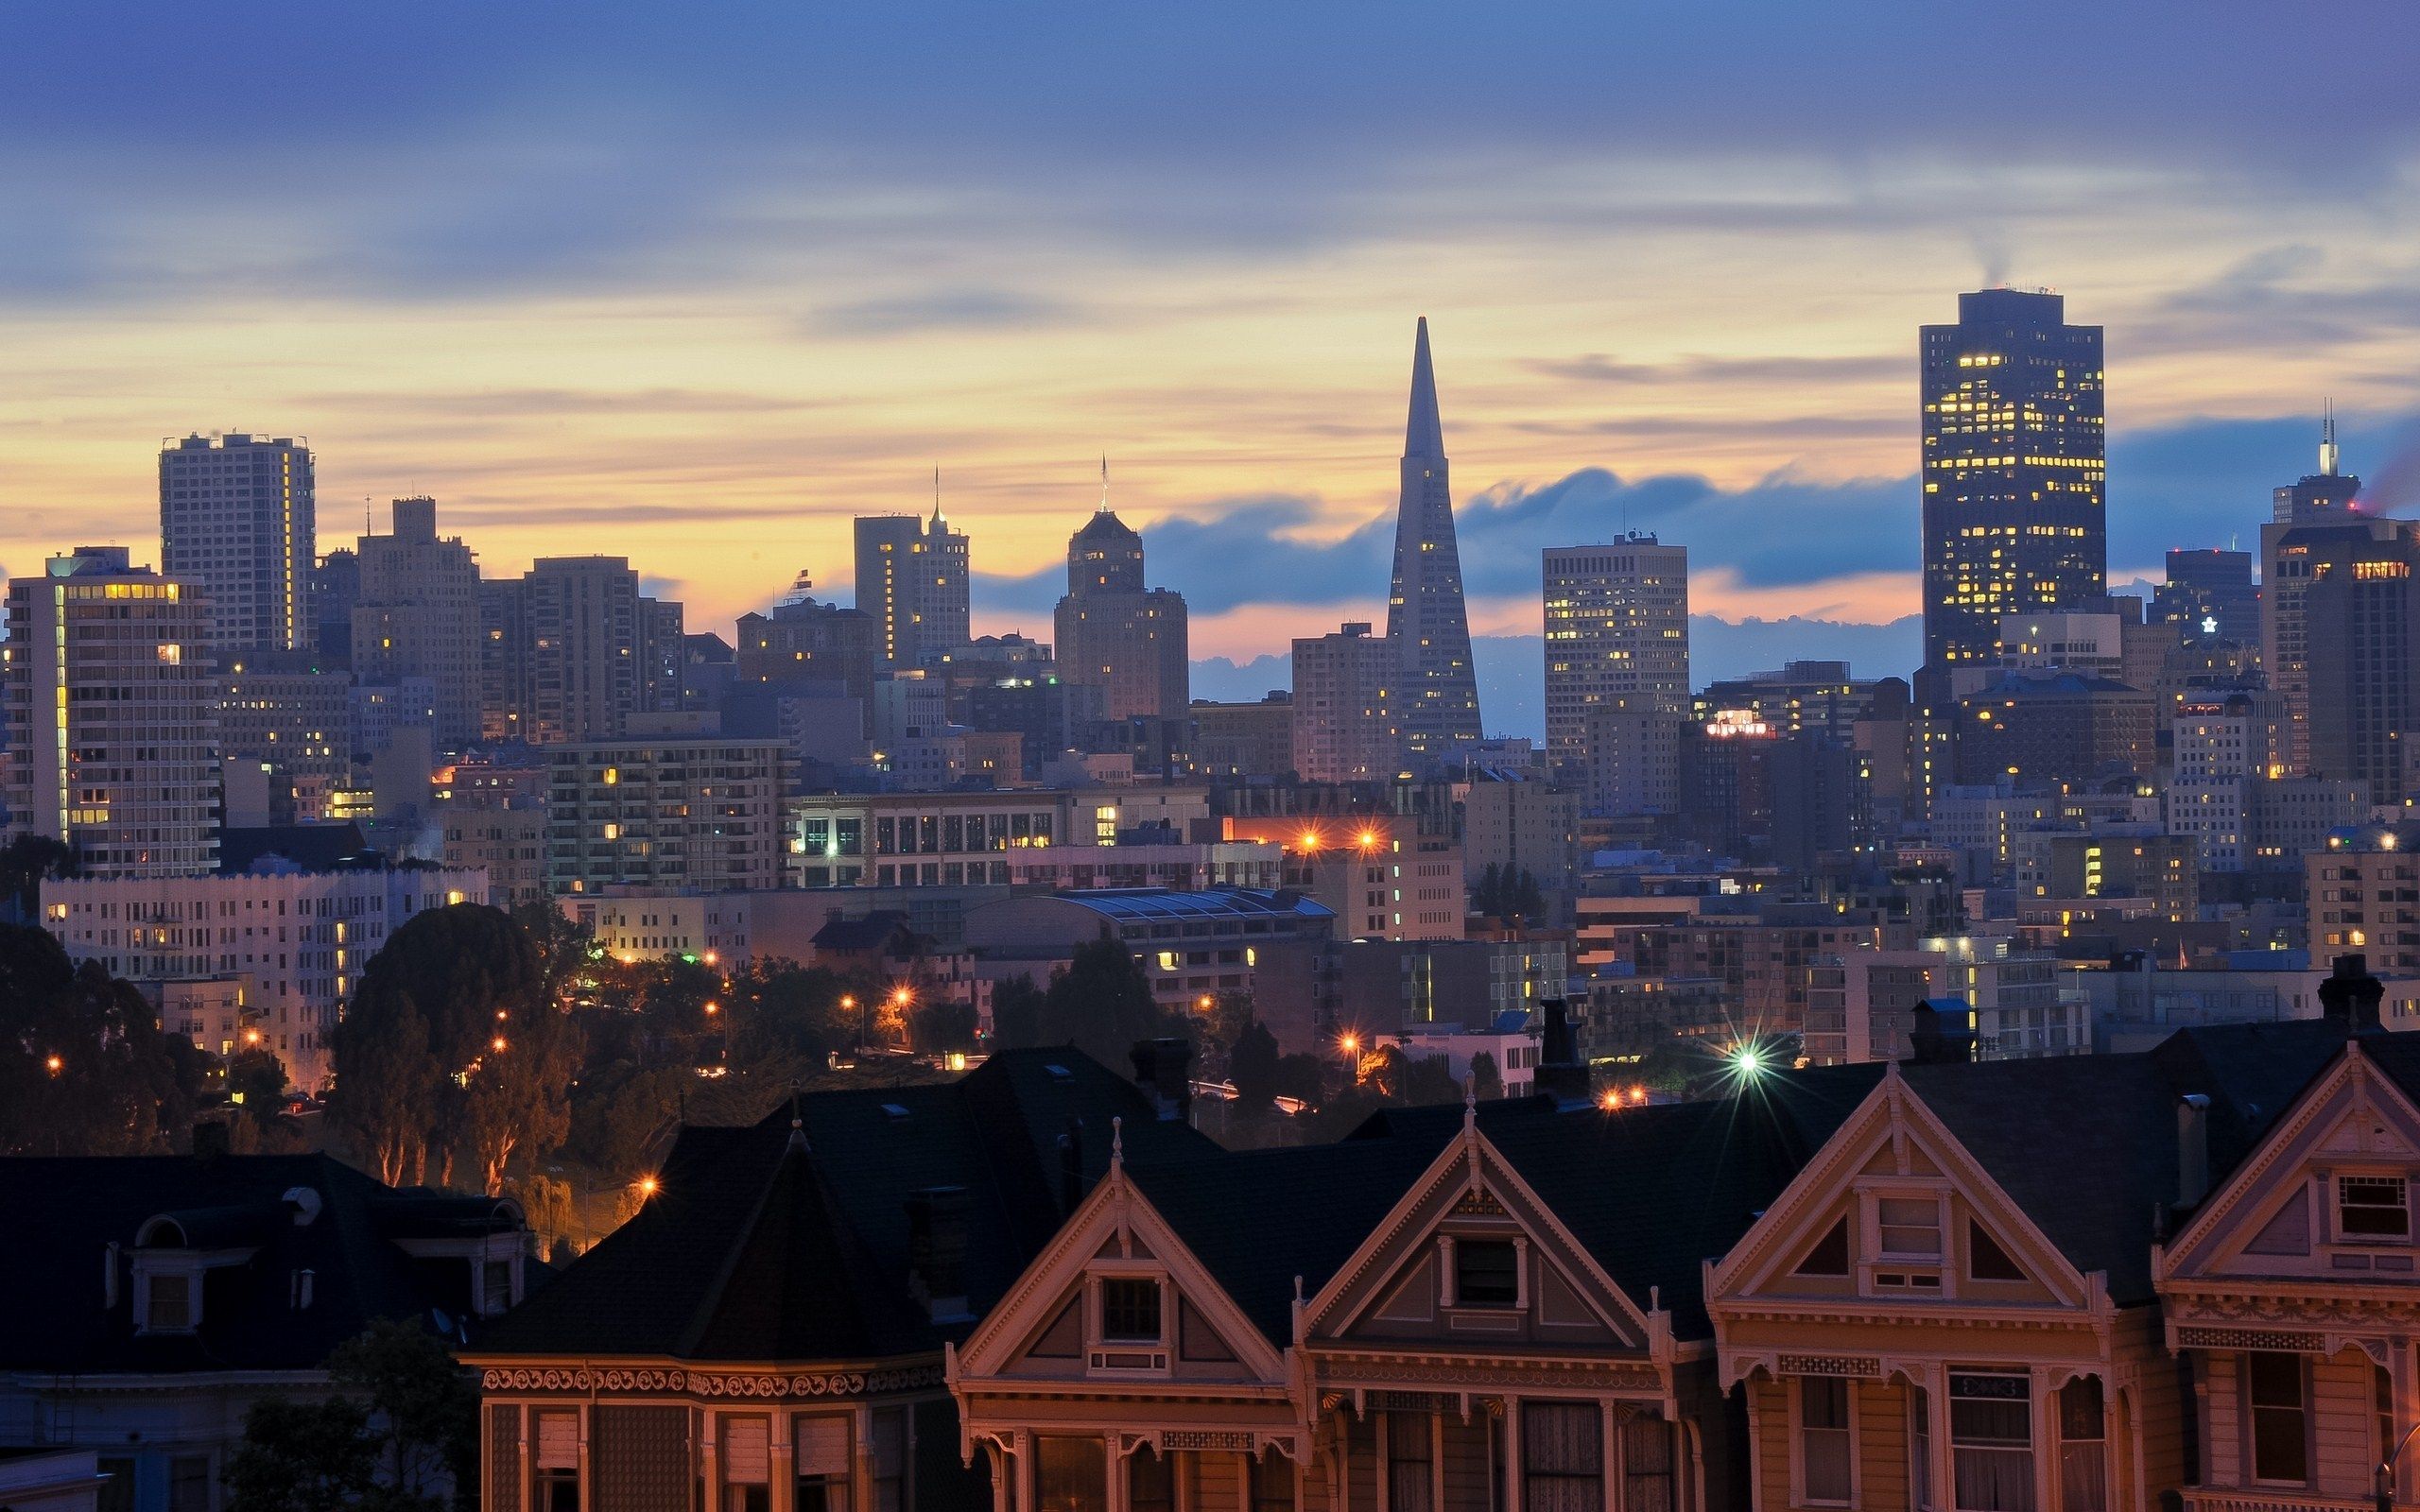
(1104, 483)
(938, 521)
(2328, 437)
(1424, 434)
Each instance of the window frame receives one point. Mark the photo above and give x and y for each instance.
(1104, 1333)
(2033, 1432)
(1496, 1299)
(2252, 1407)
(2344, 1233)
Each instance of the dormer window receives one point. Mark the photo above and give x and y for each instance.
(2373, 1207)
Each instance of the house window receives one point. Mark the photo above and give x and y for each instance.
(554, 1474)
(2083, 1449)
(746, 1465)
(1409, 1454)
(1825, 1449)
(495, 1286)
(117, 1493)
(890, 1432)
(2279, 1393)
(823, 1463)
(1991, 1442)
(1563, 1456)
(171, 1304)
(1151, 1482)
(1487, 1273)
(189, 1483)
(1911, 1226)
(1920, 1448)
(2373, 1207)
(1130, 1309)
(1272, 1483)
(1070, 1473)
(1647, 1466)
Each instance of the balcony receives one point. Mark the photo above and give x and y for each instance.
(2270, 1498)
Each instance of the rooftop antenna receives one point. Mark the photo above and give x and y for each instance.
(1104, 483)
(2327, 437)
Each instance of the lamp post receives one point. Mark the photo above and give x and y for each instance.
(2383, 1487)
(848, 1001)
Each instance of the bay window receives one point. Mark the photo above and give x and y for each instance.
(823, 1463)
(1648, 1470)
(1411, 1454)
(1991, 1442)
(746, 1465)
(2373, 1207)
(1151, 1482)
(2083, 1447)
(554, 1468)
(1071, 1474)
(2278, 1393)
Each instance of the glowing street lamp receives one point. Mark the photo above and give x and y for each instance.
(55, 1065)
(496, 1044)
(647, 1186)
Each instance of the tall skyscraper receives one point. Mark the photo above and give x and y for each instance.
(2209, 595)
(236, 523)
(112, 747)
(912, 578)
(2306, 514)
(2359, 604)
(2015, 472)
(1616, 637)
(418, 617)
(1112, 631)
(1344, 730)
(1436, 692)
(585, 658)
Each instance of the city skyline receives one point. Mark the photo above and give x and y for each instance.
(711, 369)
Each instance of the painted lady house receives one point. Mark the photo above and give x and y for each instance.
(1952, 1309)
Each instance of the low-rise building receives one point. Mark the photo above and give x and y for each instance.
(956, 839)
(1193, 945)
(509, 843)
(1469, 983)
(2363, 893)
(674, 812)
(299, 938)
(1862, 1005)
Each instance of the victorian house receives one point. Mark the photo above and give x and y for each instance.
(2293, 1297)
(1951, 1308)
(1439, 1314)
(767, 1335)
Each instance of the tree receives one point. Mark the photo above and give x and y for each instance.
(399, 1428)
(519, 1093)
(1486, 1081)
(1523, 898)
(387, 1084)
(563, 949)
(1102, 1002)
(1017, 1014)
(28, 861)
(938, 1028)
(1487, 894)
(256, 1083)
(781, 1009)
(1253, 1067)
(1231, 1015)
(85, 1068)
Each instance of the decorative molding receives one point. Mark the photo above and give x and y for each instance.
(742, 1384)
(1865, 1366)
(1478, 1203)
(1479, 1378)
(2221, 1338)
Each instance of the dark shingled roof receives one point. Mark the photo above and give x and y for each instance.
(69, 1211)
(754, 1250)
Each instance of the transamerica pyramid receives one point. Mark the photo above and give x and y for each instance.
(1436, 696)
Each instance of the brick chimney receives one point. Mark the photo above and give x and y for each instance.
(2351, 996)
(1164, 1069)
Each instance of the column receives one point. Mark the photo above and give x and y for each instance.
(1025, 1470)
(1114, 1488)
(586, 1417)
(993, 1458)
(1610, 1455)
(709, 1461)
(861, 1456)
(2045, 1421)
(1511, 1455)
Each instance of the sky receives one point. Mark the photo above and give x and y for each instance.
(696, 284)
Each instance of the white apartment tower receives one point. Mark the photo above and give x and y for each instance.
(1344, 729)
(237, 525)
(419, 617)
(1617, 638)
(912, 578)
(112, 744)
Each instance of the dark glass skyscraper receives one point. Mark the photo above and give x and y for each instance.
(1436, 694)
(2015, 471)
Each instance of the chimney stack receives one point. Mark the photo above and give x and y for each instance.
(2192, 1149)
(1561, 1073)
(936, 1251)
(2352, 995)
(1164, 1069)
(1941, 1032)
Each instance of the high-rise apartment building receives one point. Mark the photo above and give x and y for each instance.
(1436, 692)
(575, 652)
(801, 639)
(504, 694)
(111, 746)
(698, 811)
(237, 525)
(1112, 631)
(912, 578)
(336, 587)
(2354, 898)
(418, 617)
(2319, 514)
(2013, 469)
(1344, 729)
(2221, 747)
(291, 712)
(1616, 637)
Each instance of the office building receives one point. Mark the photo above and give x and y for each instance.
(1388, 986)
(2220, 747)
(1344, 722)
(505, 694)
(2314, 518)
(2062, 727)
(2361, 612)
(1632, 761)
(2013, 469)
(299, 939)
(1112, 631)
(113, 746)
(336, 587)
(290, 712)
(698, 812)
(1820, 698)
(954, 839)
(1436, 705)
(803, 638)
(1519, 823)
(2209, 595)
(1193, 945)
(418, 617)
(912, 578)
(1244, 739)
(508, 842)
(1616, 637)
(587, 628)
(235, 523)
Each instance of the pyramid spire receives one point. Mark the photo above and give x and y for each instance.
(1424, 434)
(938, 521)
